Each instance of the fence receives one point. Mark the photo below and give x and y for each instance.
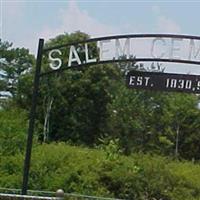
(14, 194)
(23, 197)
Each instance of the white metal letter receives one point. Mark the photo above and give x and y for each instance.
(153, 54)
(146, 80)
(102, 50)
(119, 51)
(192, 50)
(87, 59)
(55, 62)
(75, 58)
(174, 48)
(132, 80)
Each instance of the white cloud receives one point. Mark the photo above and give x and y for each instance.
(69, 20)
(74, 19)
(9, 11)
(167, 25)
(164, 24)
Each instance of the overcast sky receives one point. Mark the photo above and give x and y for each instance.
(23, 22)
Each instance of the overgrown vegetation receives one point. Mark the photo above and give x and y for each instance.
(93, 172)
(93, 135)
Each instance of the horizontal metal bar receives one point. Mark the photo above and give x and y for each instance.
(54, 193)
(17, 196)
(124, 36)
(122, 60)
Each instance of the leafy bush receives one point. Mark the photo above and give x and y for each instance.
(13, 130)
(90, 172)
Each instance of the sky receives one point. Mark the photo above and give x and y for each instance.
(23, 22)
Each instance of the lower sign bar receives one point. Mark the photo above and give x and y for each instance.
(163, 81)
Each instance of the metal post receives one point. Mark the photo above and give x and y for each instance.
(32, 118)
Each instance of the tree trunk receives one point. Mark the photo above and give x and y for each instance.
(177, 141)
(46, 120)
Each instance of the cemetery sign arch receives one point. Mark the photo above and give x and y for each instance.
(171, 48)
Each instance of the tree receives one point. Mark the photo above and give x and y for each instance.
(80, 109)
(15, 63)
(180, 121)
(86, 104)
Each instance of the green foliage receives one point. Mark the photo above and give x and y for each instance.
(93, 107)
(147, 121)
(11, 167)
(80, 106)
(13, 129)
(111, 148)
(82, 99)
(89, 172)
(14, 64)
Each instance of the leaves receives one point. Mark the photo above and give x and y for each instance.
(93, 102)
(85, 171)
(15, 63)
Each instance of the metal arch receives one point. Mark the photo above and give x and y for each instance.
(121, 60)
(183, 61)
(38, 74)
(151, 35)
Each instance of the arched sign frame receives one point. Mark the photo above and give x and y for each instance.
(39, 74)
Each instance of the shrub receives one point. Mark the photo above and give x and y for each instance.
(90, 172)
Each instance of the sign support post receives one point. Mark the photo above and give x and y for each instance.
(32, 118)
